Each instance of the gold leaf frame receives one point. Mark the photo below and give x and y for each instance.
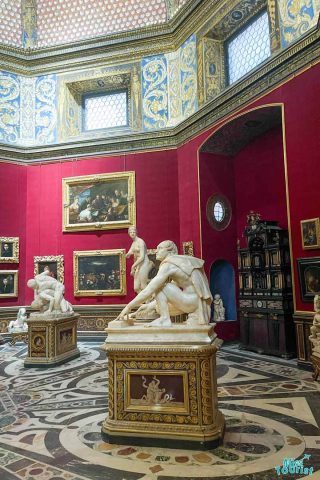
(15, 283)
(187, 248)
(15, 249)
(121, 253)
(51, 258)
(92, 180)
(316, 223)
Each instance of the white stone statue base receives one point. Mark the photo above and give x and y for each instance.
(176, 334)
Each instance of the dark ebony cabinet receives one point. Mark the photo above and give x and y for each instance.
(266, 306)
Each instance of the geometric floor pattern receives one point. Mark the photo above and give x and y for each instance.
(50, 423)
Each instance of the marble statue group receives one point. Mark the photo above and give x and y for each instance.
(179, 287)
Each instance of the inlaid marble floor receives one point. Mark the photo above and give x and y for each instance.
(50, 423)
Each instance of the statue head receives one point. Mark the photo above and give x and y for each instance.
(217, 296)
(132, 231)
(32, 283)
(168, 247)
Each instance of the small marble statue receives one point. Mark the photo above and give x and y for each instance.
(218, 308)
(315, 329)
(180, 286)
(20, 324)
(49, 295)
(142, 264)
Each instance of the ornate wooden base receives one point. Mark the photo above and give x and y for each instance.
(51, 341)
(163, 395)
(18, 337)
(316, 366)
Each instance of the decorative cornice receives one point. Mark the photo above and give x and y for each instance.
(117, 47)
(278, 69)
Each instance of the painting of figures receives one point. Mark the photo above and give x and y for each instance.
(99, 202)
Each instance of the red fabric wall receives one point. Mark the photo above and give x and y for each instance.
(156, 203)
(13, 195)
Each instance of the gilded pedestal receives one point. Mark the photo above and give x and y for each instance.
(315, 358)
(163, 394)
(51, 341)
(18, 337)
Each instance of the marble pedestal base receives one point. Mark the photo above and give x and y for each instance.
(163, 395)
(51, 340)
(315, 358)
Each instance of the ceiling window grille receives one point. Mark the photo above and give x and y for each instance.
(107, 110)
(249, 47)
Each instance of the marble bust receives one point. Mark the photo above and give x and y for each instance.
(49, 295)
(179, 287)
(315, 329)
(142, 264)
(20, 324)
(218, 308)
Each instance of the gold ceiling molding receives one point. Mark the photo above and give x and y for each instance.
(115, 48)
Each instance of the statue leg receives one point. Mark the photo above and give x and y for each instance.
(181, 302)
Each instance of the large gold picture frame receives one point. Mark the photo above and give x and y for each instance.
(9, 249)
(8, 283)
(54, 263)
(99, 273)
(99, 202)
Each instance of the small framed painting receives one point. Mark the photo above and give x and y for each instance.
(310, 233)
(53, 263)
(309, 277)
(8, 283)
(9, 249)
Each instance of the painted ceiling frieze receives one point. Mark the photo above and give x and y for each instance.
(29, 23)
(9, 108)
(27, 111)
(10, 24)
(188, 64)
(296, 18)
(154, 92)
(46, 109)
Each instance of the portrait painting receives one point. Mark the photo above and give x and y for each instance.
(8, 283)
(99, 202)
(309, 277)
(52, 263)
(9, 249)
(310, 233)
(99, 273)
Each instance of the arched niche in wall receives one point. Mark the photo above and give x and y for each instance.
(222, 281)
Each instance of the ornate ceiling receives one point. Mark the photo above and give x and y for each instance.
(55, 22)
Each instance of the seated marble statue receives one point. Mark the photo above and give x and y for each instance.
(19, 325)
(180, 286)
(49, 294)
(218, 308)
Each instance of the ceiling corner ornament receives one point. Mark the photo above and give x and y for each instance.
(172, 7)
(29, 23)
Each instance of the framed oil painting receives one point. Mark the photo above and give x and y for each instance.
(309, 277)
(9, 249)
(99, 273)
(54, 264)
(8, 283)
(310, 233)
(99, 202)
(187, 248)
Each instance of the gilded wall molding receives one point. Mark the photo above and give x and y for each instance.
(280, 68)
